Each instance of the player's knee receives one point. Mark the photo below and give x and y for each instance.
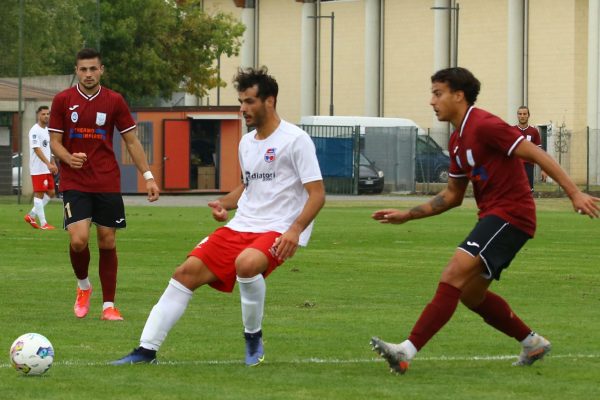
(193, 274)
(78, 243)
(247, 266)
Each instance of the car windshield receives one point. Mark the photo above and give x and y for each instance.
(364, 160)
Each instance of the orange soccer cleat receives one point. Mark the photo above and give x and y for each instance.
(111, 314)
(31, 221)
(82, 302)
(47, 227)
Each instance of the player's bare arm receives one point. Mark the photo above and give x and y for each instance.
(136, 151)
(51, 166)
(286, 245)
(582, 203)
(452, 196)
(75, 160)
(220, 206)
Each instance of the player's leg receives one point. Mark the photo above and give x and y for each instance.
(529, 169)
(107, 270)
(190, 275)
(37, 182)
(77, 214)
(500, 249)
(461, 268)
(250, 266)
(108, 213)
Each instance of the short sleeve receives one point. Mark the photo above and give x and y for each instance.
(305, 159)
(123, 120)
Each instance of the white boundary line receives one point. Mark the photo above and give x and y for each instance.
(314, 360)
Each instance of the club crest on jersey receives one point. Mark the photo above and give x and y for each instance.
(270, 155)
(100, 118)
(74, 117)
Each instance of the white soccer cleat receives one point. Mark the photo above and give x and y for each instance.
(394, 354)
(536, 351)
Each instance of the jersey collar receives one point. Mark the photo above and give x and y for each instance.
(462, 126)
(92, 97)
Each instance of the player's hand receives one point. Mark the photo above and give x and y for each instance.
(544, 177)
(52, 168)
(219, 213)
(391, 216)
(585, 204)
(77, 160)
(285, 246)
(152, 189)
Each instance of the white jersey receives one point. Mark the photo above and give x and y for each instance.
(275, 170)
(39, 137)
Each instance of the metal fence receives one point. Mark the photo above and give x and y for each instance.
(338, 151)
(417, 161)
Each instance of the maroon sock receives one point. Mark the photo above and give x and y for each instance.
(435, 315)
(108, 273)
(80, 262)
(496, 312)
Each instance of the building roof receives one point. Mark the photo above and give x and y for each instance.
(10, 91)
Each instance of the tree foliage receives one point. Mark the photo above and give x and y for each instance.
(51, 37)
(150, 48)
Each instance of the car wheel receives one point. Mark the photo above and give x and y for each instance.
(441, 175)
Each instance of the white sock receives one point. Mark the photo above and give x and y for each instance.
(32, 213)
(165, 314)
(107, 304)
(45, 199)
(252, 294)
(529, 339)
(409, 348)
(38, 206)
(84, 284)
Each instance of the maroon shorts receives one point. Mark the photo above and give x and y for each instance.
(219, 250)
(42, 183)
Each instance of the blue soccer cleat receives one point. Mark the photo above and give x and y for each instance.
(255, 353)
(137, 356)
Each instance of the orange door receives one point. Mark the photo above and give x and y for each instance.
(176, 157)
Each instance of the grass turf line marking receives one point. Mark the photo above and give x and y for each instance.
(333, 361)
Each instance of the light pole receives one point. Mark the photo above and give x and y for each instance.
(456, 10)
(332, 17)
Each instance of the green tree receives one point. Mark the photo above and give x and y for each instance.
(152, 48)
(51, 37)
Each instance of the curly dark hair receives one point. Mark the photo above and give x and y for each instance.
(459, 78)
(248, 77)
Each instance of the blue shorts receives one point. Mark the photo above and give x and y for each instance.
(496, 241)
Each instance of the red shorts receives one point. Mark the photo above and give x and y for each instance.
(43, 182)
(219, 250)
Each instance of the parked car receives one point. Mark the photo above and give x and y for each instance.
(16, 170)
(431, 162)
(370, 178)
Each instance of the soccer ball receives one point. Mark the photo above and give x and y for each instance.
(31, 354)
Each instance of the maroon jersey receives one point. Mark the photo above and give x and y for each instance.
(532, 134)
(87, 124)
(482, 150)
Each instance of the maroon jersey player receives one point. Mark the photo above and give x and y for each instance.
(533, 135)
(487, 152)
(82, 123)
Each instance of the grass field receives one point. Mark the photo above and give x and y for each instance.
(356, 279)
